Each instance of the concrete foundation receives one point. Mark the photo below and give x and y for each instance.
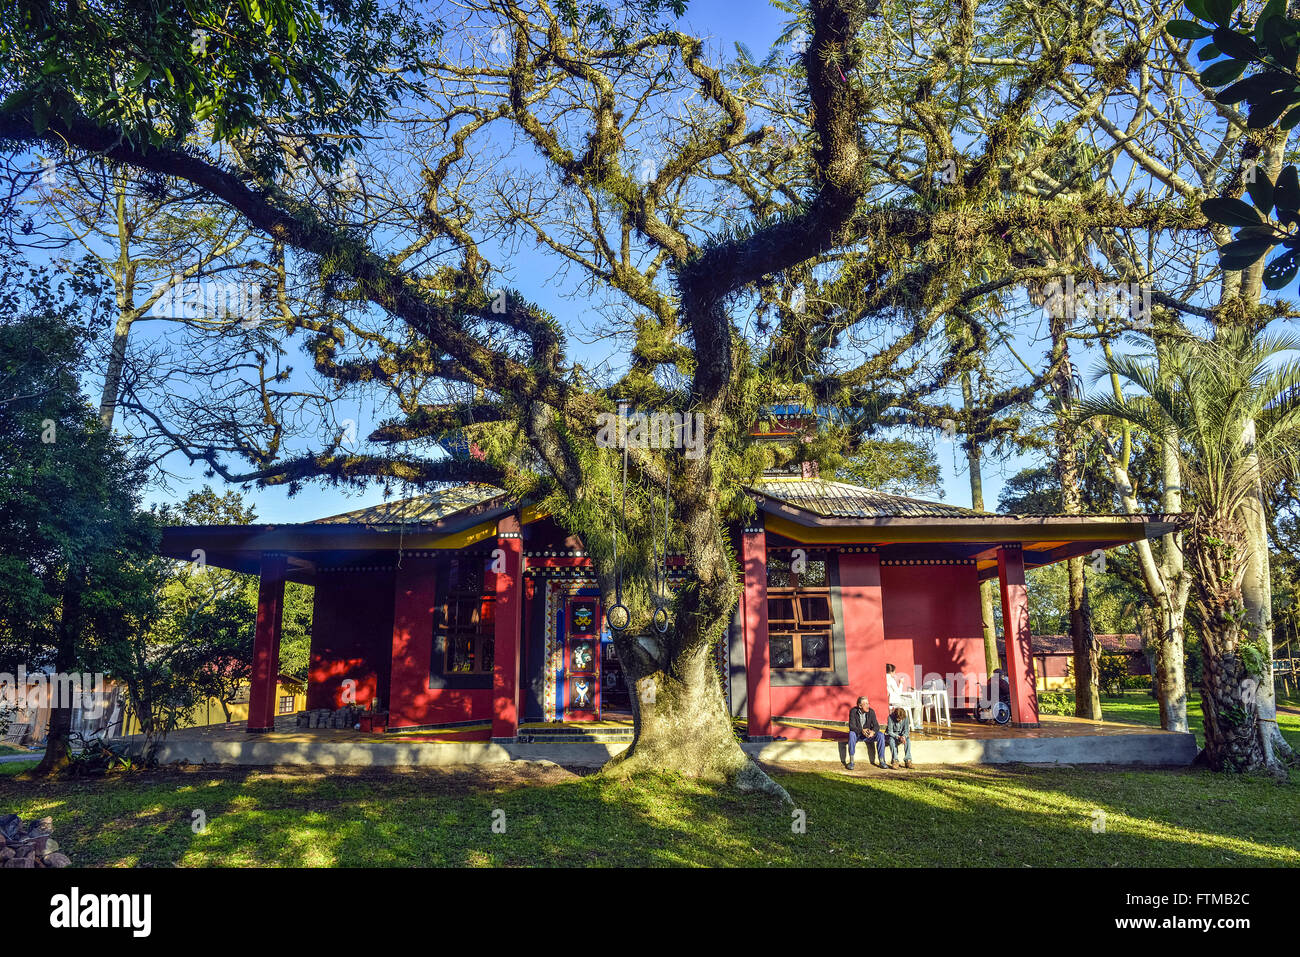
(1158, 748)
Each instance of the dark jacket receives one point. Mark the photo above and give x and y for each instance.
(863, 723)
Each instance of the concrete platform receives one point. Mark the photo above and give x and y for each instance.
(1058, 741)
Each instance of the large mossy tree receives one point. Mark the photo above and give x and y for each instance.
(747, 254)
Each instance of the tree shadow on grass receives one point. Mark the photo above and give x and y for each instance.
(513, 816)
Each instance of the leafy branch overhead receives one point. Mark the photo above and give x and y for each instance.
(1271, 46)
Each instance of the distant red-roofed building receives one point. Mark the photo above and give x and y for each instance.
(1054, 657)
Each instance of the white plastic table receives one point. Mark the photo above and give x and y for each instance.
(936, 699)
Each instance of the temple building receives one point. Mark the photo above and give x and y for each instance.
(463, 608)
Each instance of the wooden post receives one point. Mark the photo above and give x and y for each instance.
(508, 566)
(1015, 629)
(758, 667)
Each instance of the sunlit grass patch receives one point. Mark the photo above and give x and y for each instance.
(516, 816)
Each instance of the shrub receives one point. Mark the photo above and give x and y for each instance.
(1056, 702)
(1113, 672)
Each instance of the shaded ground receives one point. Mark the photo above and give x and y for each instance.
(1008, 816)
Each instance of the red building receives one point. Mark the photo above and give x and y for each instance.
(1054, 657)
(463, 607)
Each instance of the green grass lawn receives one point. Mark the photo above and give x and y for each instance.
(1010, 816)
(959, 816)
(1138, 707)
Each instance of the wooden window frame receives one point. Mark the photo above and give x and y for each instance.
(479, 631)
(801, 627)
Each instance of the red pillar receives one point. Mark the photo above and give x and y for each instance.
(508, 565)
(266, 643)
(864, 625)
(1015, 631)
(758, 669)
(413, 613)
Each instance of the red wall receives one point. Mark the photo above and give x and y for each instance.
(351, 637)
(412, 702)
(931, 616)
(932, 620)
(860, 598)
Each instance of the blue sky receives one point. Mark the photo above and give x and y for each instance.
(755, 24)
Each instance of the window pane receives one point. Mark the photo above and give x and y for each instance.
(780, 610)
(816, 651)
(472, 575)
(778, 570)
(488, 656)
(781, 648)
(815, 609)
(460, 653)
(814, 574)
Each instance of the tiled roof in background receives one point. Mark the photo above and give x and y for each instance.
(1062, 645)
(841, 500)
(428, 508)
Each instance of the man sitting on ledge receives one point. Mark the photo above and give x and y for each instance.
(864, 726)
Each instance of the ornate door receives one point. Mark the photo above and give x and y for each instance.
(582, 660)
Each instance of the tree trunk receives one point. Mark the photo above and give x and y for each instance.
(58, 738)
(1087, 666)
(1257, 596)
(1232, 734)
(1228, 692)
(113, 372)
(1171, 670)
(680, 719)
(1087, 695)
(974, 464)
(123, 276)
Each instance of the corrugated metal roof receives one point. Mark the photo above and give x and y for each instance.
(428, 508)
(841, 500)
(1064, 644)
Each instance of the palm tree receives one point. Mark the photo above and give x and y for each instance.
(1230, 407)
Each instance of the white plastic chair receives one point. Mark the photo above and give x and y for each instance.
(900, 696)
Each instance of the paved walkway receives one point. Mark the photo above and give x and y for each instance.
(32, 756)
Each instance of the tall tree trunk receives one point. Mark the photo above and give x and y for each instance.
(1087, 694)
(1087, 664)
(116, 362)
(123, 276)
(1233, 741)
(974, 465)
(1257, 597)
(1171, 669)
(1257, 586)
(58, 738)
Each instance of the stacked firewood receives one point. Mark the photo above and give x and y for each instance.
(29, 843)
(345, 717)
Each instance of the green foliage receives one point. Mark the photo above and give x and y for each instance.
(68, 517)
(1056, 702)
(897, 466)
(1113, 673)
(96, 758)
(1272, 93)
(261, 75)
